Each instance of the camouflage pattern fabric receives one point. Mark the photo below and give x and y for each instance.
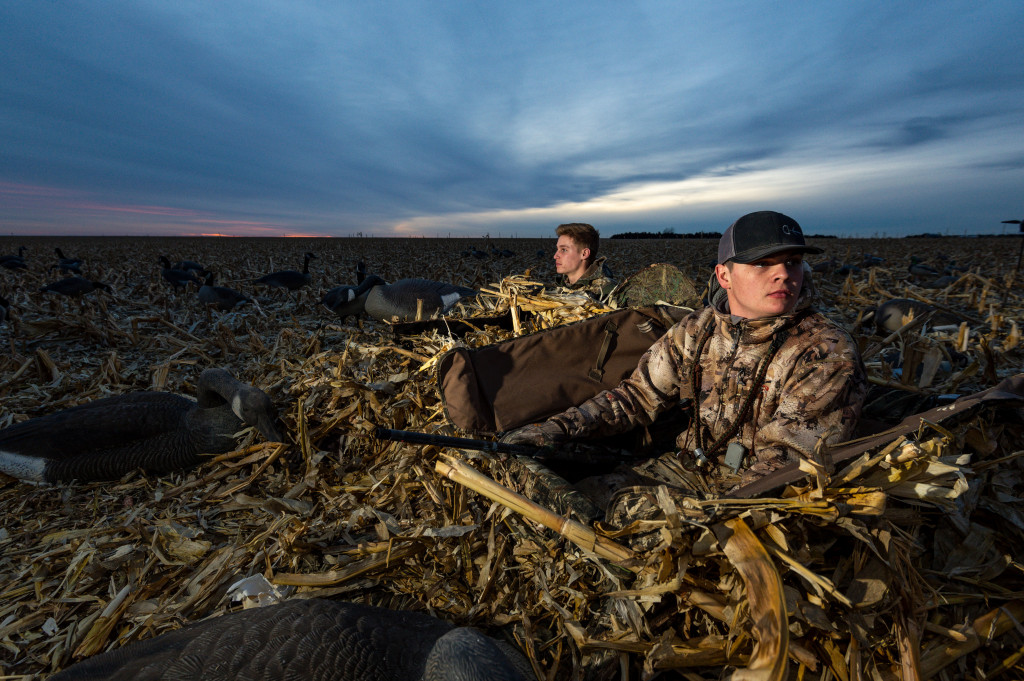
(813, 388)
(594, 282)
(655, 284)
(541, 485)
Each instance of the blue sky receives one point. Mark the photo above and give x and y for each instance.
(436, 118)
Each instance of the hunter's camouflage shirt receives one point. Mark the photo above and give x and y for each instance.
(814, 386)
(594, 282)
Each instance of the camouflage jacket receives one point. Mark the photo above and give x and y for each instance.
(594, 282)
(814, 386)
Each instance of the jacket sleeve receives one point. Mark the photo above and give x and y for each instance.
(655, 385)
(821, 398)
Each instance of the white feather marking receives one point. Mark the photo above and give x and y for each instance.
(351, 295)
(28, 468)
(236, 406)
(450, 299)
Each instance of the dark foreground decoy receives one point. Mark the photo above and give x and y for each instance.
(918, 269)
(888, 317)
(399, 301)
(156, 431)
(221, 297)
(175, 277)
(66, 264)
(74, 286)
(289, 279)
(5, 309)
(311, 639)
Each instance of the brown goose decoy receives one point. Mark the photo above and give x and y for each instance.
(221, 297)
(156, 431)
(311, 639)
(289, 279)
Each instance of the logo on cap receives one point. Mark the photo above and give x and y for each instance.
(791, 229)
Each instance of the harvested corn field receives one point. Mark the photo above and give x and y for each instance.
(899, 562)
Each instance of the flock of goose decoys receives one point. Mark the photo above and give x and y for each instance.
(402, 300)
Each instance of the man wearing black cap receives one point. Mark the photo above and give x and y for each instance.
(772, 379)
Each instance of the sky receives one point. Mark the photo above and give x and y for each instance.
(427, 118)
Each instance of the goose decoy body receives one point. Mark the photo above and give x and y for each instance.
(14, 262)
(188, 265)
(918, 269)
(888, 316)
(66, 264)
(156, 431)
(826, 266)
(175, 277)
(289, 279)
(871, 260)
(221, 297)
(397, 301)
(311, 639)
(74, 286)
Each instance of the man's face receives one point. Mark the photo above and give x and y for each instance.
(570, 259)
(765, 288)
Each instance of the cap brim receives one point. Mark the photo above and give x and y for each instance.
(758, 253)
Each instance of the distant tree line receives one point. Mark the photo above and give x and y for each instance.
(667, 234)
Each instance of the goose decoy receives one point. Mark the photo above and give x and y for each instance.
(14, 262)
(918, 269)
(311, 639)
(871, 260)
(188, 265)
(66, 264)
(825, 267)
(289, 279)
(888, 316)
(221, 297)
(74, 287)
(398, 301)
(175, 277)
(156, 431)
(346, 301)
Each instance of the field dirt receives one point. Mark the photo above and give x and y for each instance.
(334, 513)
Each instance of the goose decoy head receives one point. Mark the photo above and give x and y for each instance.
(250, 404)
(346, 301)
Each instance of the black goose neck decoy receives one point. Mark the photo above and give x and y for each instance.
(74, 287)
(175, 277)
(289, 279)
(221, 297)
(156, 431)
(311, 639)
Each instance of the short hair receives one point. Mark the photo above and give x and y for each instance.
(582, 234)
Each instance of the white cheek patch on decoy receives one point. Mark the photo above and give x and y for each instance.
(27, 468)
(450, 299)
(236, 406)
(350, 295)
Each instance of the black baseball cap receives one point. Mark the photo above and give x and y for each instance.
(758, 235)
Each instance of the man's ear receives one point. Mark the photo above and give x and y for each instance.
(585, 254)
(722, 272)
